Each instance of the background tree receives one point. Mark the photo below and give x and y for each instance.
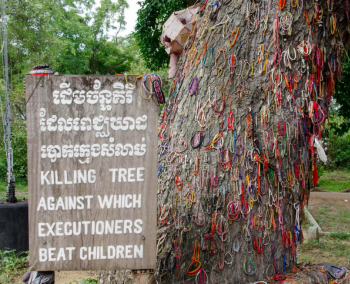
(341, 96)
(150, 19)
(338, 151)
(70, 36)
(73, 37)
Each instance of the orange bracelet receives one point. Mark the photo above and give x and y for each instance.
(235, 31)
(177, 182)
(195, 259)
(196, 270)
(196, 166)
(281, 4)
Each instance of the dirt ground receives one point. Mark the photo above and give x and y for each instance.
(337, 199)
(66, 277)
(331, 210)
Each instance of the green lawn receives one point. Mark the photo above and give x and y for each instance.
(334, 181)
(21, 189)
(306, 224)
(332, 219)
(327, 249)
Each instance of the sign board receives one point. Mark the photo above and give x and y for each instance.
(92, 173)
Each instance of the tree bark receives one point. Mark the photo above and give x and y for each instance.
(264, 159)
(233, 202)
(126, 277)
(115, 277)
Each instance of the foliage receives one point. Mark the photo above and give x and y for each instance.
(150, 19)
(139, 67)
(338, 150)
(73, 37)
(19, 135)
(69, 35)
(342, 95)
(19, 144)
(320, 170)
(12, 264)
(21, 189)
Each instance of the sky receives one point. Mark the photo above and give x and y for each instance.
(130, 16)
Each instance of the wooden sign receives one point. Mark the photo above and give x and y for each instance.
(92, 173)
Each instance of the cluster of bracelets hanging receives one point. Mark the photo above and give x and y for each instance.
(236, 163)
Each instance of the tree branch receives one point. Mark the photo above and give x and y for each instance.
(20, 111)
(114, 65)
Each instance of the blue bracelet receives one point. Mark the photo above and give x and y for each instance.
(339, 269)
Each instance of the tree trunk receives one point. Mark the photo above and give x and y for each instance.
(236, 153)
(260, 158)
(126, 277)
(115, 277)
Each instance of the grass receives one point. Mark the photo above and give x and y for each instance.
(326, 249)
(306, 224)
(340, 236)
(12, 265)
(21, 188)
(334, 181)
(331, 219)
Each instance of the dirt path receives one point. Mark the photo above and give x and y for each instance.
(66, 277)
(317, 198)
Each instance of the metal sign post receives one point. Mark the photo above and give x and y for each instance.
(7, 123)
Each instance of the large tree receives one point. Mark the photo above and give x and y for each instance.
(237, 152)
(238, 137)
